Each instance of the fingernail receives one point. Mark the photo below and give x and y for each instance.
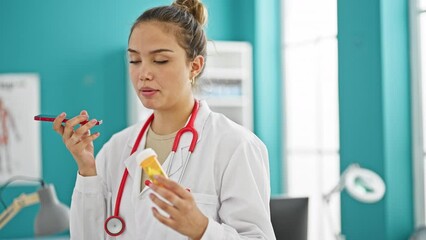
(188, 189)
(93, 121)
(148, 183)
(62, 114)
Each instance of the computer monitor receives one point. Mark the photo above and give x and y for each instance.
(289, 217)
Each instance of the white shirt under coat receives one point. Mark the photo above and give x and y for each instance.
(228, 175)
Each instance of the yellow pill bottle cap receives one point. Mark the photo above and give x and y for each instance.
(146, 153)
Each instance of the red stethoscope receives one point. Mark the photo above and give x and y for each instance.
(115, 225)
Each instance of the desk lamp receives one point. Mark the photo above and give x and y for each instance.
(361, 184)
(53, 216)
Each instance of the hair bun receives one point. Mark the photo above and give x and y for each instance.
(195, 7)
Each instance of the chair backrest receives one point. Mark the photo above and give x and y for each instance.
(289, 217)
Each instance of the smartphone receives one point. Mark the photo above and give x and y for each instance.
(51, 118)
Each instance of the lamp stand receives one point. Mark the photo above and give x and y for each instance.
(337, 234)
(18, 203)
(327, 197)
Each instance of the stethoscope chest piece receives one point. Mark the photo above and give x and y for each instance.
(114, 225)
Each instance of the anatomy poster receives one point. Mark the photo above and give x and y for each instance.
(19, 134)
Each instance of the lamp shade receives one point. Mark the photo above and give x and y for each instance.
(363, 184)
(53, 216)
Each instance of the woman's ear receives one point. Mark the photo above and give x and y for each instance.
(197, 65)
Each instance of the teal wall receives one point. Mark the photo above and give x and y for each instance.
(78, 47)
(375, 124)
(268, 85)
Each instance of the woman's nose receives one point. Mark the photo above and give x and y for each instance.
(144, 73)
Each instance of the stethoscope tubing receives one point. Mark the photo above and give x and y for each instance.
(188, 128)
(126, 173)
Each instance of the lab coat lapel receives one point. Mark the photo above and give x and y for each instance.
(178, 161)
(185, 141)
(175, 166)
(131, 163)
(134, 174)
(180, 155)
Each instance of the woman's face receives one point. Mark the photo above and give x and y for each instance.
(158, 67)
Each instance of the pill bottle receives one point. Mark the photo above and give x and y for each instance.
(147, 160)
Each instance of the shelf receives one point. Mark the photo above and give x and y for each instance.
(223, 73)
(221, 101)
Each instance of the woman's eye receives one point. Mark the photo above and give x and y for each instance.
(134, 61)
(161, 62)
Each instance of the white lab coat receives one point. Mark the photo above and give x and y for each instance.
(228, 175)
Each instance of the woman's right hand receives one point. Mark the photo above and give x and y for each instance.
(79, 141)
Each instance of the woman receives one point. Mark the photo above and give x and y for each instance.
(222, 193)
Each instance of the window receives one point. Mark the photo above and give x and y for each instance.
(418, 63)
(311, 108)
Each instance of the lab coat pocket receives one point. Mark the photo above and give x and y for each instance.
(208, 204)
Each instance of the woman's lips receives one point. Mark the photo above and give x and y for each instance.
(148, 92)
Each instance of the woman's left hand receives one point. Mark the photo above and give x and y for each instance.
(184, 215)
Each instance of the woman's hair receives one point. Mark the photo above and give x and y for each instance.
(187, 18)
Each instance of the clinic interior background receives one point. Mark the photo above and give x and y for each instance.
(77, 48)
